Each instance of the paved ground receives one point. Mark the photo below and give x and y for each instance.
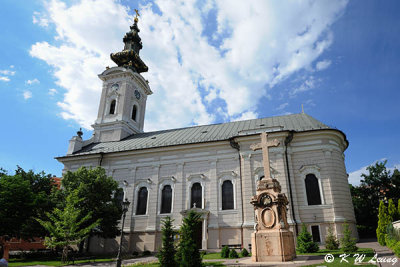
(383, 253)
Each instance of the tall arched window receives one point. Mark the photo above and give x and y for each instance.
(112, 106)
(134, 111)
(166, 199)
(312, 190)
(227, 195)
(142, 201)
(196, 196)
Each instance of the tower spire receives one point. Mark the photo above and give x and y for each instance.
(129, 56)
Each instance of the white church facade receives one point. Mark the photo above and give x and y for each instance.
(210, 168)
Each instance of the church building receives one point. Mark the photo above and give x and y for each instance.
(209, 168)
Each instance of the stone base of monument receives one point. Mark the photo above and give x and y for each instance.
(272, 246)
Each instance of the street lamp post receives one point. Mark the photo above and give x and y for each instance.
(125, 206)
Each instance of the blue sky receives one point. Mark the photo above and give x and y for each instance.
(209, 62)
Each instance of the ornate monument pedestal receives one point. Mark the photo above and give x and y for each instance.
(272, 246)
(272, 239)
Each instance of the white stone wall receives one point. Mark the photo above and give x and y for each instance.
(319, 152)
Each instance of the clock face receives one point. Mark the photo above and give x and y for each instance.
(115, 86)
(137, 94)
(265, 200)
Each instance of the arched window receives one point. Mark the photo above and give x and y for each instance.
(196, 196)
(112, 106)
(227, 195)
(312, 190)
(142, 201)
(134, 111)
(166, 199)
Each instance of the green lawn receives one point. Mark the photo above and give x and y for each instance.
(14, 262)
(368, 252)
(156, 264)
(216, 256)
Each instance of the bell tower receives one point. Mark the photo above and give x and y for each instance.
(124, 94)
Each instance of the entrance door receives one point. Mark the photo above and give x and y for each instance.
(198, 234)
(315, 233)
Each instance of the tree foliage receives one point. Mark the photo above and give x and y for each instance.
(348, 242)
(100, 196)
(65, 226)
(188, 253)
(331, 241)
(378, 184)
(305, 243)
(225, 252)
(392, 211)
(166, 255)
(23, 197)
(383, 220)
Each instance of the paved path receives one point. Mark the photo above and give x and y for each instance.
(301, 260)
(383, 252)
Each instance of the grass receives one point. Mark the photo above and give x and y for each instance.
(368, 252)
(217, 256)
(156, 264)
(51, 262)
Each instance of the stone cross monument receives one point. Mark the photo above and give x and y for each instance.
(272, 240)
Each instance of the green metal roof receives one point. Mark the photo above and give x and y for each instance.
(206, 133)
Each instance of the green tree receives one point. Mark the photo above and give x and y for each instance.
(188, 253)
(383, 220)
(166, 255)
(331, 241)
(305, 244)
(392, 212)
(16, 203)
(100, 196)
(398, 210)
(225, 252)
(65, 227)
(23, 197)
(378, 184)
(348, 242)
(233, 254)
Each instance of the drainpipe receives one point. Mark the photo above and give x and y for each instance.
(289, 139)
(101, 158)
(236, 146)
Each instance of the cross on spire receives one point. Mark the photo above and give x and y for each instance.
(264, 146)
(137, 15)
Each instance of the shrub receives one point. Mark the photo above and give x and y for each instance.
(233, 254)
(135, 254)
(244, 253)
(188, 254)
(396, 249)
(383, 221)
(166, 256)
(331, 241)
(225, 252)
(348, 242)
(305, 244)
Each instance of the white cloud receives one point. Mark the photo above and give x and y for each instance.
(34, 81)
(282, 106)
(355, 176)
(259, 44)
(40, 19)
(52, 91)
(308, 84)
(6, 74)
(321, 65)
(27, 95)
(246, 116)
